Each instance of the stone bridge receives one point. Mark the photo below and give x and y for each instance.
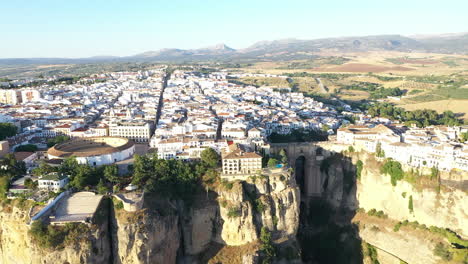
(305, 158)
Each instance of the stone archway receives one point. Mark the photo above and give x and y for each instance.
(310, 158)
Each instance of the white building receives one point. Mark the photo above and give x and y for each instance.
(137, 131)
(30, 95)
(95, 151)
(10, 96)
(239, 162)
(53, 182)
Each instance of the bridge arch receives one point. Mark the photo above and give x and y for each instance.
(307, 171)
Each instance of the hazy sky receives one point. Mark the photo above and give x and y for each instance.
(82, 28)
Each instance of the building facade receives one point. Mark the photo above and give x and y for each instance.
(137, 131)
(239, 162)
(53, 182)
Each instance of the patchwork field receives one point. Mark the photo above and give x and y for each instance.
(456, 106)
(362, 67)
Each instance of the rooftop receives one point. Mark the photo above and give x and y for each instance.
(54, 176)
(239, 154)
(91, 146)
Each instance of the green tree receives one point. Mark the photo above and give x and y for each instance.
(30, 184)
(266, 245)
(101, 187)
(359, 167)
(272, 162)
(4, 185)
(43, 169)
(142, 170)
(434, 172)
(27, 148)
(84, 176)
(325, 128)
(284, 157)
(210, 157)
(7, 130)
(11, 167)
(464, 137)
(69, 166)
(379, 152)
(393, 168)
(111, 173)
(410, 204)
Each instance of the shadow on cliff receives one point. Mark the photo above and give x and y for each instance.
(326, 232)
(193, 247)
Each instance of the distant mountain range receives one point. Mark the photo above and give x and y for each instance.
(281, 49)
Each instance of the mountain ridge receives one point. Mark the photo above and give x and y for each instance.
(453, 43)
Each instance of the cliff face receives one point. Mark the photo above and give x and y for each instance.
(17, 247)
(241, 208)
(270, 203)
(445, 207)
(143, 237)
(409, 245)
(167, 232)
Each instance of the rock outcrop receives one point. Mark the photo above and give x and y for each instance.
(421, 200)
(409, 244)
(446, 208)
(167, 232)
(145, 237)
(241, 208)
(18, 247)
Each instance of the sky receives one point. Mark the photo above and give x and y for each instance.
(84, 28)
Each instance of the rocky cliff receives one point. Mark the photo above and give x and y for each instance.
(228, 216)
(444, 207)
(145, 237)
(417, 199)
(17, 246)
(239, 210)
(409, 244)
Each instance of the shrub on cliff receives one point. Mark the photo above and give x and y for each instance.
(442, 251)
(359, 167)
(410, 204)
(267, 246)
(56, 237)
(393, 168)
(234, 212)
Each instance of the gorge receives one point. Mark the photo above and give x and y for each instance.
(334, 206)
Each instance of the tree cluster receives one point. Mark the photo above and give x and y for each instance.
(55, 237)
(420, 118)
(10, 169)
(172, 178)
(394, 169)
(7, 130)
(81, 175)
(27, 148)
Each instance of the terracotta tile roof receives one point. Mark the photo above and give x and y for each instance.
(238, 154)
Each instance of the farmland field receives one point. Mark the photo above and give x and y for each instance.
(456, 106)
